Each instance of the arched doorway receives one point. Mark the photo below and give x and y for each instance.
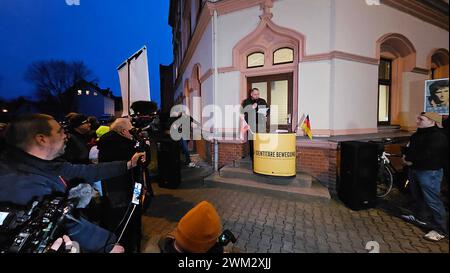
(268, 59)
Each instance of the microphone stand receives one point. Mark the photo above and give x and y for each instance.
(139, 192)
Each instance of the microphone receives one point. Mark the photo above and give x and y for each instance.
(82, 192)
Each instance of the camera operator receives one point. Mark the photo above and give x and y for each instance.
(115, 145)
(28, 171)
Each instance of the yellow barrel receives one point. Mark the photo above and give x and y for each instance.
(275, 154)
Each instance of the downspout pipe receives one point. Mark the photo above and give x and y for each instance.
(216, 86)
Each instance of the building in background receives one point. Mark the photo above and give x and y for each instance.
(89, 99)
(354, 66)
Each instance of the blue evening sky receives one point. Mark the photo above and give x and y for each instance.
(101, 33)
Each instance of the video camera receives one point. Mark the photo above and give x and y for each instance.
(144, 115)
(226, 237)
(33, 229)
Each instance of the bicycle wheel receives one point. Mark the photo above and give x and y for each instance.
(385, 180)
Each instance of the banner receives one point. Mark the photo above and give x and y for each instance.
(134, 80)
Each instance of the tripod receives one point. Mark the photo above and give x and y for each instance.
(137, 204)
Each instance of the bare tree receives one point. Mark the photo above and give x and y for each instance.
(52, 78)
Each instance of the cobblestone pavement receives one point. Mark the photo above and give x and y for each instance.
(273, 223)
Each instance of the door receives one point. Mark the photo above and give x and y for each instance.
(276, 90)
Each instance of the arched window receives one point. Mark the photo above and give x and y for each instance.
(439, 64)
(255, 60)
(283, 56)
(397, 55)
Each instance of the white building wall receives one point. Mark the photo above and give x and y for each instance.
(354, 95)
(202, 56)
(412, 98)
(228, 94)
(358, 26)
(109, 106)
(314, 93)
(338, 94)
(233, 27)
(310, 18)
(207, 97)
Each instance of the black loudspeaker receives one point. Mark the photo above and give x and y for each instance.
(169, 173)
(357, 187)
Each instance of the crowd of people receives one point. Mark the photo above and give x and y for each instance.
(41, 156)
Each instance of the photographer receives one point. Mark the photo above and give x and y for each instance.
(28, 171)
(116, 145)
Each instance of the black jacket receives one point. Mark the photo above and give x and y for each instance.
(113, 147)
(24, 177)
(427, 149)
(77, 151)
(254, 112)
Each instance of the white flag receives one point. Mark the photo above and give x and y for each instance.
(134, 85)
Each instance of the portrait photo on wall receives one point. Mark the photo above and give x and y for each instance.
(436, 96)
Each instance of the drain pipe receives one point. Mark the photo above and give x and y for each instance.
(215, 87)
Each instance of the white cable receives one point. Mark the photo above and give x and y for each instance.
(126, 224)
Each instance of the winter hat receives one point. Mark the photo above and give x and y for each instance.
(101, 131)
(77, 120)
(435, 117)
(198, 230)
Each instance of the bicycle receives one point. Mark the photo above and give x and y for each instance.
(387, 174)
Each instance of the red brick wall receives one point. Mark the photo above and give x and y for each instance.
(321, 163)
(228, 152)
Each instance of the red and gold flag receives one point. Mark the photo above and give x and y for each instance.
(306, 126)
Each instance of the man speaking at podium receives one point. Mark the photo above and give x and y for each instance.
(255, 114)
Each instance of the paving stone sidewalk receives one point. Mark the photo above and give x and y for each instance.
(273, 223)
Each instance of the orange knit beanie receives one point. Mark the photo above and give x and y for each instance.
(198, 230)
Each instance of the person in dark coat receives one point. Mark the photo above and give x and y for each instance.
(444, 186)
(28, 171)
(425, 155)
(254, 117)
(115, 145)
(77, 150)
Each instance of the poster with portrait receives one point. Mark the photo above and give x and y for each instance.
(436, 96)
